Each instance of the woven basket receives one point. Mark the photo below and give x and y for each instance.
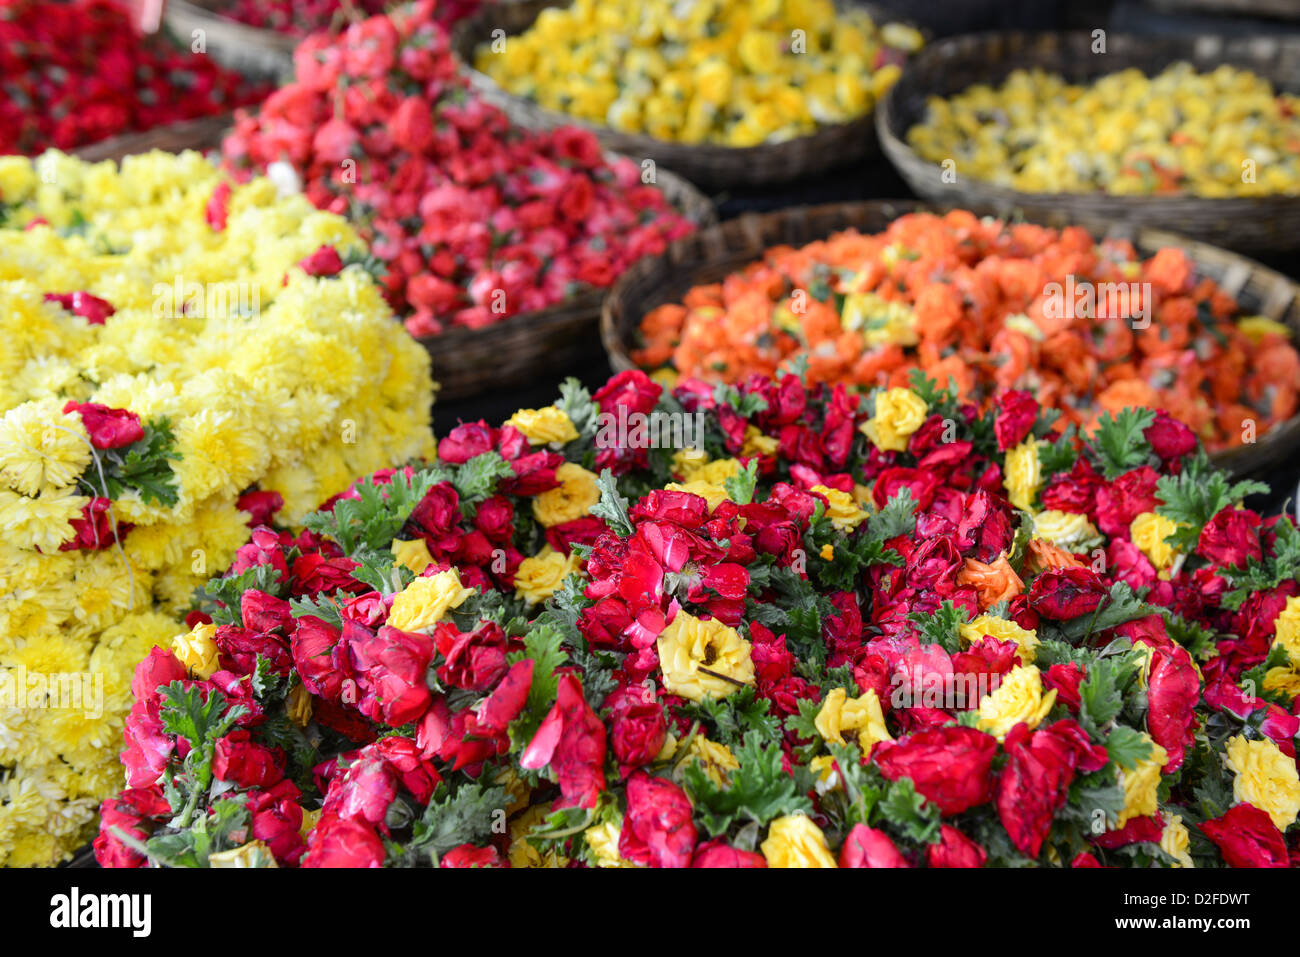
(1279, 9)
(711, 254)
(202, 134)
(947, 67)
(709, 165)
(250, 50)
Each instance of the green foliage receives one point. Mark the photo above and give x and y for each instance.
(729, 718)
(468, 816)
(759, 790)
(374, 519)
(1120, 444)
(220, 597)
(612, 506)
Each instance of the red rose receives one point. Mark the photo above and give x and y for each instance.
(130, 812)
(1230, 538)
(323, 262)
(1137, 830)
(95, 530)
(108, 428)
(1016, 413)
(411, 125)
(1065, 680)
(263, 612)
(949, 766)
(1032, 786)
(954, 849)
(243, 762)
(869, 847)
(1065, 593)
(718, 853)
(1173, 692)
(657, 828)
(391, 667)
(1247, 837)
(637, 728)
(240, 648)
(313, 574)
(1121, 501)
(473, 660)
(495, 517)
(217, 211)
(632, 390)
(159, 667)
(336, 842)
(91, 308)
(571, 739)
(406, 760)
(508, 698)
(467, 440)
(261, 506)
(470, 855)
(1169, 438)
(312, 647)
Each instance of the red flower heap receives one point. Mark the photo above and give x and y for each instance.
(786, 647)
(75, 73)
(473, 219)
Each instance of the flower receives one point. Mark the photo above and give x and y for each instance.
(1176, 841)
(1001, 629)
(1023, 475)
(1266, 778)
(1247, 837)
(426, 600)
(197, 650)
(413, 554)
(702, 658)
(538, 577)
(795, 841)
(863, 714)
(899, 413)
(1140, 785)
(571, 500)
(1287, 625)
(42, 448)
(1018, 699)
(1067, 529)
(1148, 532)
(544, 426)
(603, 839)
(841, 509)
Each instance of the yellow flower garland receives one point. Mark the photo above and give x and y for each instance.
(314, 384)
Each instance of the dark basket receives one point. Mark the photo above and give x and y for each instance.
(711, 254)
(709, 165)
(1269, 223)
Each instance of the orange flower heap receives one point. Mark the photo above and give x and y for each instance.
(985, 305)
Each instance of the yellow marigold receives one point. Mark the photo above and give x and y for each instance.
(571, 499)
(1018, 698)
(795, 841)
(1023, 475)
(1148, 532)
(1266, 778)
(899, 413)
(197, 650)
(413, 554)
(539, 576)
(41, 447)
(700, 658)
(1003, 630)
(1141, 785)
(840, 713)
(841, 509)
(544, 426)
(424, 602)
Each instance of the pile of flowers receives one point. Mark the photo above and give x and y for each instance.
(724, 72)
(474, 219)
(986, 305)
(1221, 133)
(825, 629)
(298, 19)
(75, 73)
(182, 356)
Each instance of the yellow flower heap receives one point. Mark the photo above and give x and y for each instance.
(736, 72)
(312, 385)
(1216, 134)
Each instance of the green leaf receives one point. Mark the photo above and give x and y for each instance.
(729, 718)
(1127, 746)
(940, 627)
(577, 404)
(740, 487)
(898, 517)
(466, 817)
(758, 791)
(1120, 444)
(143, 466)
(1195, 495)
(748, 404)
(612, 506)
(911, 813)
(373, 519)
(328, 609)
(545, 646)
(221, 597)
(478, 478)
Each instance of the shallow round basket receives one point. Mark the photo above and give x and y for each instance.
(711, 254)
(1269, 223)
(534, 345)
(252, 51)
(1278, 9)
(710, 165)
(202, 134)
